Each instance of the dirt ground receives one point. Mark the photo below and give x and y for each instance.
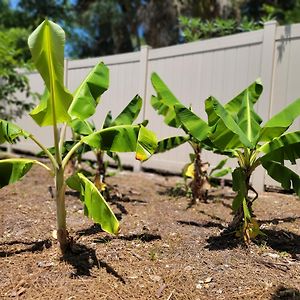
(165, 250)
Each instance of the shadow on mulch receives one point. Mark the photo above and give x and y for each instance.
(276, 221)
(177, 191)
(286, 293)
(32, 247)
(204, 225)
(143, 237)
(126, 199)
(95, 228)
(281, 240)
(83, 259)
(224, 241)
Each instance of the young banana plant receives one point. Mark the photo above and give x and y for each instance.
(58, 108)
(164, 103)
(83, 128)
(237, 128)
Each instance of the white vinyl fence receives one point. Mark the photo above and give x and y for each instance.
(221, 67)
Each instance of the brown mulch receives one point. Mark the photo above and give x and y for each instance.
(165, 250)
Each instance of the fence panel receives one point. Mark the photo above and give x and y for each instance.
(221, 67)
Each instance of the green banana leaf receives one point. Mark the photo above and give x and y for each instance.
(82, 127)
(252, 92)
(164, 102)
(146, 144)
(13, 169)
(170, 143)
(46, 44)
(226, 133)
(129, 113)
(87, 95)
(9, 132)
(248, 119)
(107, 120)
(285, 147)
(284, 175)
(279, 123)
(219, 171)
(126, 138)
(191, 123)
(95, 206)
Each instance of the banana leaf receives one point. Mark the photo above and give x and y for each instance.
(170, 143)
(87, 95)
(95, 206)
(10, 132)
(288, 178)
(279, 123)
(129, 113)
(46, 44)
(13, 169)
(126, 138)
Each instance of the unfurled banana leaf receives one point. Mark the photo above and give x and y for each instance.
(164, 102)
(86, 97)
(115, 139)
(251, 93)
(285, 147)
(279, 123)
(82, 127)
(146, 144)
(191, 123)
(228, 130)
(46, 44)
(127, 138)
(129, 113)
(248, 120)
(171, 143)
(9, 132)
(287, 178)
(219, 170)
(226, 134)
(13, 169)
(95, 206)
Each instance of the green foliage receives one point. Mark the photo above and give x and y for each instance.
(194, 29)
(177, 115)
(235, 129)
(58, 106)
(13, 80)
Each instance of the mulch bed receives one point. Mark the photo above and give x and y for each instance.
(165, 250)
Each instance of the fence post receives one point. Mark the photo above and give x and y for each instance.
(267, 76)
(143, 76)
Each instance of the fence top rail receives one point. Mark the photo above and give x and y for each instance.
(215, 44)
(109, 60)
(288, 32)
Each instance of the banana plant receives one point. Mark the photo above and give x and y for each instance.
(58, 108)
(215, 172)
(237, 129)
(83, 128)
(165, 103)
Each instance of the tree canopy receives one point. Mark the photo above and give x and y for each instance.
(102, 27)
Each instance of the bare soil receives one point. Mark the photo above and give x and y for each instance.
(165, 250)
